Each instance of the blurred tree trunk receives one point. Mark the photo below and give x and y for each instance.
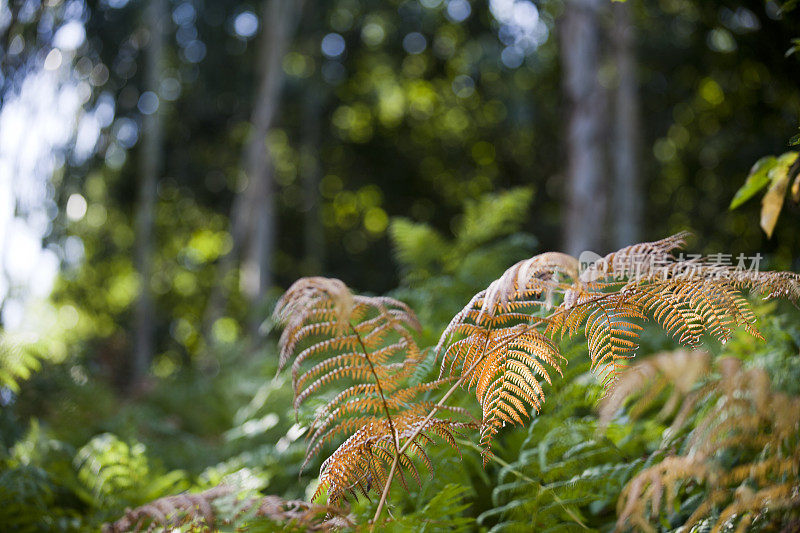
(254, 215)
(151, 158)
(627, 192)
(585, 215)
(314, 231)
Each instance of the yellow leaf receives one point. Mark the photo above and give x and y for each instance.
(796, 189)
(772, 203)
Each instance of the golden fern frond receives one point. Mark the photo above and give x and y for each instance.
(507, 379)
(349, 411)
(671, 313)
(201, 511)
(499, 352)
(360, 347)
(611, 333)
(359, 352)
(607, 301)
(363, 460)
(503, 364)
(688, 298)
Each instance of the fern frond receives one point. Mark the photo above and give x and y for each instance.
(321, 300)
(17, 362)
(611, 333)
(358, 353)
(688, 299)
(504, 365)
(740, 460)
(607, 301)
(636, 260)
(113, 472)
(365, 457)
(359, 346)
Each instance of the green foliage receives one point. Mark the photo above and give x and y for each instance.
(565, 481)
(113, 474)
(16, 365)
(442, 512)
(35, 483)
(439, 274)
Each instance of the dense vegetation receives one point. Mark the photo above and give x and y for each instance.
(306, 270)
(575, 463)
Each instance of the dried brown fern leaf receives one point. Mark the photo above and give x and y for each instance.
(644, 495)
(644, 381)
(200, 511)
(737, 412)
(534, 277)
(771, 285)
(638, 261)
(354, 351)
(325, 302)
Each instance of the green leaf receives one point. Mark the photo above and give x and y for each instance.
(757, 180)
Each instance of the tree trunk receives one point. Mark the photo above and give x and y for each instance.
(585, 216)
(627, 193)
(254, 215)
(314, 231)
(151, 159)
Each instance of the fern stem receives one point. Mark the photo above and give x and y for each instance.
(395, 437)
(419, 429)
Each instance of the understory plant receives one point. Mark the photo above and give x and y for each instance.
(355, 364)
(369, 400)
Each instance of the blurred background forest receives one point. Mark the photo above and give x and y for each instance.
(167, 167)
